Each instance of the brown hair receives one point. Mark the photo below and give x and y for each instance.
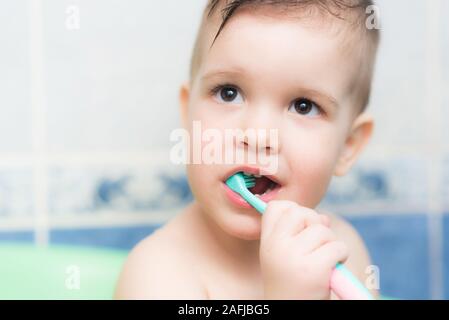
(337, 8)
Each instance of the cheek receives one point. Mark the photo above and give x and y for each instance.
(198, 178)
(208, 118)
(205, 110)
(311, 162)
(204, 185)
(205, 130)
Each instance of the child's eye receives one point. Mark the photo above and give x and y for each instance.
(228, 94)
(305, 107)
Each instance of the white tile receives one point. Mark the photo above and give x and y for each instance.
(398, 100)
(445, 71)
(15, 135)
(113, 83)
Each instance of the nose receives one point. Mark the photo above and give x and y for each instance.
(261, 130)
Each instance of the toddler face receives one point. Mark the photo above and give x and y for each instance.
(274, 74)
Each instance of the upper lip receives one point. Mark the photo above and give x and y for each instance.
(251, 170)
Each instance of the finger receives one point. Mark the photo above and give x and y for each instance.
(295, 220)
(273, 213)
(313, 238)
(325, 220)
(331, 253)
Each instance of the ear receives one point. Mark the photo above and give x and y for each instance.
(184, 96)
(359, 136)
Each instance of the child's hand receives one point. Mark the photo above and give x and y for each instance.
(298, 252)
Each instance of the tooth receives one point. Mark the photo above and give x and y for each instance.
(257, 176)
(268, 190)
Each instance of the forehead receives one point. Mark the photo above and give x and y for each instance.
(282, 48)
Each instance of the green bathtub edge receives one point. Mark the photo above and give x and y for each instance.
(54, 272)
(47, 273)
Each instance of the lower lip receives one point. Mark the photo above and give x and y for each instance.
(237, 200)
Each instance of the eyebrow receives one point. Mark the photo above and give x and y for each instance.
(309, 93)
(220, 72)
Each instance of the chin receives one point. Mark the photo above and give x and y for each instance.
(244, 226)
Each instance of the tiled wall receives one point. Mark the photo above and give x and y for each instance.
(87, 105)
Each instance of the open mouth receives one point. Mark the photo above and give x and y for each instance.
(263, 184)
(266, 187)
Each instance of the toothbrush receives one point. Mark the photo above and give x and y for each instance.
(345, 285)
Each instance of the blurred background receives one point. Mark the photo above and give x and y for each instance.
(88, 98)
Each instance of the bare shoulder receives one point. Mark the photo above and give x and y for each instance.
(346, 232)
(159, 267)
(359, 259)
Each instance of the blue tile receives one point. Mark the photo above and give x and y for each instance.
(398, 245)
(22, 236)
(120, 237)
(379, 179)
(93, 189)
(446, 255)
(16, 192)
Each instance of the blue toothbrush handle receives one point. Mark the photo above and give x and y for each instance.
(254, 201)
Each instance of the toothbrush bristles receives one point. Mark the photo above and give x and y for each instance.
(250, 181)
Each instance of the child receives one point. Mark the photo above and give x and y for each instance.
(303, 68)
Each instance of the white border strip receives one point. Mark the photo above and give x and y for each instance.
(103, 219)
(39, 127)
(162, 156)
